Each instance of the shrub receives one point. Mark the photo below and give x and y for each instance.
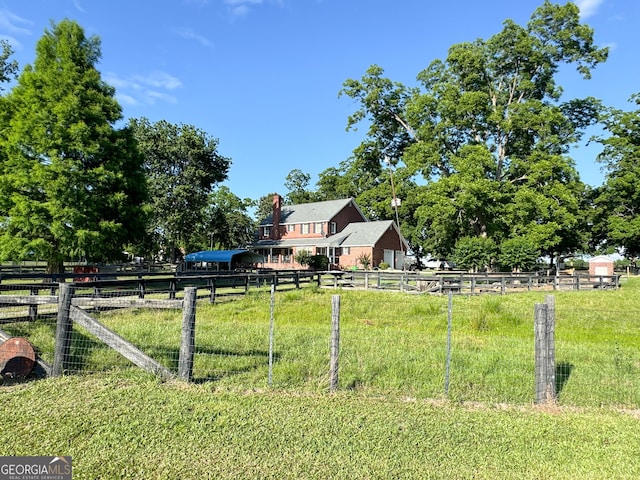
(302, 257)
(383, 266)
(318, 262)
(474, 253)
(519, 254)
(364, 259)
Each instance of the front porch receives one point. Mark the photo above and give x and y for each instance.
(283, 258)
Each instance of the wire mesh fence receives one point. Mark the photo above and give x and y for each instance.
(466, 348)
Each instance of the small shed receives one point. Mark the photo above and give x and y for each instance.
(601, 265)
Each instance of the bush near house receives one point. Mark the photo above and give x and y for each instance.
(318, 262)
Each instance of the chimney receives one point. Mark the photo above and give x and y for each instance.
(276, 216)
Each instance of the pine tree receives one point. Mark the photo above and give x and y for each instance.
(72, 185)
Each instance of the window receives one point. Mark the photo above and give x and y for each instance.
(305, 228)
(333, 227)
(291, 227)
(317, 228)
(346, 250)
(266, 231)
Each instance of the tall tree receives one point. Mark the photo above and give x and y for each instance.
(616, 222)
(183, 166)
(72, 184)
(8, 72)
(264, 206)
(8, 68)
(488, 134)
(228, 223)
(297, 183)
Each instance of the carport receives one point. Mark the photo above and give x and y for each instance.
(222, 259)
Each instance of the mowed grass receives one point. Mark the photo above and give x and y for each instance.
(136, 427)
(390, 344)
(390, 417)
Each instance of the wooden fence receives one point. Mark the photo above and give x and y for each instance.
(465, 283)
(71, 309)
(210, 286)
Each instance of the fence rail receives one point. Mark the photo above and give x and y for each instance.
(465, 283)
(223, 283)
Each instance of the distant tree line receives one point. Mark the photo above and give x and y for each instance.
(479, 152)
(477, 155)
(74, 186)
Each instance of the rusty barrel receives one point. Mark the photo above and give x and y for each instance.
(17, 358)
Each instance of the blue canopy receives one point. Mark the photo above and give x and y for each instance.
(224, 256)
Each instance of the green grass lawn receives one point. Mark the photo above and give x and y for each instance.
(390, 417)
(136, 427)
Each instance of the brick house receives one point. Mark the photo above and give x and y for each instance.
(335, 228)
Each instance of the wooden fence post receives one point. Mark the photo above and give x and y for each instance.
(550, 300)
(188, 339)
(33, 309)
(172, 289)
(448, 350)
(335, 342)
(544, 337)
(212, 290)
(271, 333)
(64, 328)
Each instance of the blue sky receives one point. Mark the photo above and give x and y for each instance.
(263, 76)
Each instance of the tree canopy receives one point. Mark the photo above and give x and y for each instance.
(227, 222)
(182, 165)
(71, 183)
(482, 143)
(8, 68)
(616, 216)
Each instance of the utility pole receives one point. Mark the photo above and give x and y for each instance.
(394, 202)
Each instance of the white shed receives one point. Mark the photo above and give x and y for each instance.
(601, 265)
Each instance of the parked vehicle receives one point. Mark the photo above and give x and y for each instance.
(440, 264)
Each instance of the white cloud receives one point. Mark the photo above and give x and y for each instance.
(13, 24)
(158, 80)
(153, 96)
(588, 7)
(76, 3)
(124, 99)
(189, 34)
(240, 8)
(144, 89)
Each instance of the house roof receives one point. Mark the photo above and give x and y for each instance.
(366, 233)
(601, 258)
(357, 234)
(311, 212)
(222, 256)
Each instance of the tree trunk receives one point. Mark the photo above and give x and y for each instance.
(55, 266)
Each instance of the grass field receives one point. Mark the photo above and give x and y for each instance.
(390, 418)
